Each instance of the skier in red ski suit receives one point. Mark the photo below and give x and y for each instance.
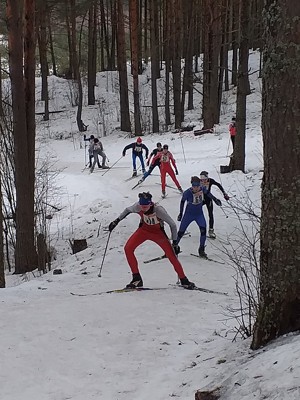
(151, 227)
(166, 158)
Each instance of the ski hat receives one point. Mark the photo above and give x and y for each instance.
(165, 146)
(145, 198)
(195, 181)
(139, 140)
(158, 144)
(203, 175)
(92, 137)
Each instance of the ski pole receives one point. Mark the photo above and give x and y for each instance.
(226, 215)
(105, 250)
(112, 165)
(182, 148)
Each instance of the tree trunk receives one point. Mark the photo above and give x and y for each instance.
(2, 270)
(48, 16)
(113, 35)
(42, 41)
(235, 40)
(279, 306)
(176, 60)
(134, 15)
(154, 72)
(23, 103)
(187, 83)
(155, 37)
(166, 44)
(105, 34)
(242, 89)
(92, 53)
(122, 68)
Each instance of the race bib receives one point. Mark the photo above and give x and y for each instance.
(150, 219)
(165, 158)
(198, 197)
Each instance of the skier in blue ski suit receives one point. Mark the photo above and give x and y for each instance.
(137, 151)
(194, 197)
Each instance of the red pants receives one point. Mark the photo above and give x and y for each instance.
(157, 236)
(164, 170)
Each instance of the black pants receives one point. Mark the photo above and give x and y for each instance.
(232, 140)
(210, 209)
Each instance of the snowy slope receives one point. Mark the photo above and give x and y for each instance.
(147, 345)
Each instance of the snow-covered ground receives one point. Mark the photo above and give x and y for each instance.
(147, 345)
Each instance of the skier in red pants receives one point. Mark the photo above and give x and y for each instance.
(151, 227)
(166, 158)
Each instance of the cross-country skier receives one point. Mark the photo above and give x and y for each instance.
(153, 153)
(208, 183)
(91, 148)
(151, 227)
(166, 159)
(137, 151)
(98, 150)
(193, 212)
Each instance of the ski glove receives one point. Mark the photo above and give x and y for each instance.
(179, 217)
(176, 171)
(218, 202)
(176, 247)
(226, 197)
(113, 224)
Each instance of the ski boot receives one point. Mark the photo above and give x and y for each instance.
(136, 282)
(134, 174)
(141, 181)
(187, 284)
(201, 252)
(180, 190)
(211, 233)
(105, 167)
(163, 194)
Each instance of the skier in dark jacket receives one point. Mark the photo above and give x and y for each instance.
(137, 151)
(153, 153)
(91, 149)
(151, 228)
(194, 197)
(98, 150)
(208, 183)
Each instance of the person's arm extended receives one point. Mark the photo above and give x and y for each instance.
(158, 155)
(146, 150)
(135, 208)
(213, 182)
(211, 196)
(129, 146)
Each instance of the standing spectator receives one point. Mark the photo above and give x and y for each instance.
(208, 183)
(166, 159)
(137, 151)
(151, 227)
(232, 131)
(98, 151)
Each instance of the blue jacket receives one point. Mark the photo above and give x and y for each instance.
(194, 200)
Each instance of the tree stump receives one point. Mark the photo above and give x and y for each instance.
(208, 394)
(78, 245)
